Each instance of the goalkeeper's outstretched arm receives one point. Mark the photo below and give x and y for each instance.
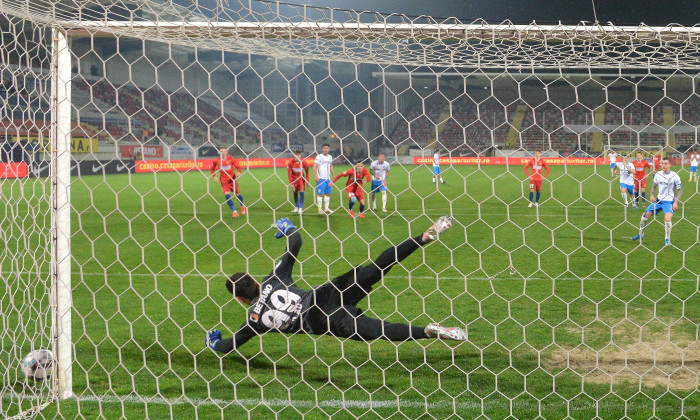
(283, 270)
(216, 343)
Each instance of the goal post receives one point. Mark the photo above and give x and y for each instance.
(61, 212)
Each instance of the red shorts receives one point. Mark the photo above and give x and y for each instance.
(355, 190)
(637, 183)
(230, 185)
(298, 185)
(536, 184)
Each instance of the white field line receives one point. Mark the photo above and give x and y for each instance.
(508, 276)
(333, 403)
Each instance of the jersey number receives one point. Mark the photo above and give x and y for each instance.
(284, 301)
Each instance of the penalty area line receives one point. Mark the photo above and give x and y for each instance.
(497, 277)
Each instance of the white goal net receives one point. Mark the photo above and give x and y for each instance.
(117, 240)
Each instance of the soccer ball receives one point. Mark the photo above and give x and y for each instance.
(38, 364)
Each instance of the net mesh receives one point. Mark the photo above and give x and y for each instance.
(564, 314)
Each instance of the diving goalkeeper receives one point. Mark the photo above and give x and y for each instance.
(278, 305)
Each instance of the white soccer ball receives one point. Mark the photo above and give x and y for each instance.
(38, 365)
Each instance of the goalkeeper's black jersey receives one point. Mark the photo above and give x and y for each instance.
(281, 305)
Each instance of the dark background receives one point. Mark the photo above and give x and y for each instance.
(655, 13)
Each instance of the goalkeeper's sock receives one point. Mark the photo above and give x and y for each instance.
(240, 198)
(644, 197)
(531, 194)
(350, 204)
(383, 199)
(327, 202)
(230, 202)
(537, 197)
(301, 200)
(362, 208)
(296, 199)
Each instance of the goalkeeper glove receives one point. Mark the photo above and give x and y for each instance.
(213, 337)
(284, 225)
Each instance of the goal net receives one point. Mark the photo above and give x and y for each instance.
(117, 240)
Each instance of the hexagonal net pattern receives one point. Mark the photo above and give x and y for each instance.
(558, 313)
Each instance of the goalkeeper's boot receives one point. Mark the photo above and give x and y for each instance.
(242, 209)
(213, 337)
(435, 330)
(352, 214)
(434, 231)
(235, 214)
(637, 237)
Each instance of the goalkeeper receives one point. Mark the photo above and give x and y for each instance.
(278, 305)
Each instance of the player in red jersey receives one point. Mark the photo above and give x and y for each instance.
(298, 173)
(657, 161)
(354, 186)
(227, 166)
(640, 178)
(536, 176)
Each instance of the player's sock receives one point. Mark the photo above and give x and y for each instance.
(537, 197)
(296, 199)
(644, 197)
(531, 194)
(301, 200)
(230, 202)
(327, 202)
(642, 225)
(668, 225)
(624, 198)
(350, 204)
(636, 197)
(319, 201)
(383, 199)
(362, 208)
(240, 198)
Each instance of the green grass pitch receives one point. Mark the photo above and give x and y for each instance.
(566, 316)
